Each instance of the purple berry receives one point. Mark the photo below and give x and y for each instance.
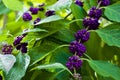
(78, 48)
(41, 9)
(95, 13)
(104, 2)
(79, 3)
(74, 63)
(17, 40)
(41, 5)
(27, 17)
(33, 10)
(50, 13)
(7, 49)
(24, 47)
(37, 20)
(18, 46)
(82, 35)
(91, 23)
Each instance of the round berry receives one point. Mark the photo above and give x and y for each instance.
(74, 63)
(77, 48)
(91, 23)
(27, 17)
(50, 13)
(79, 3)
(24, 47)
(82, 35)
(17, 40)
(37, 20)
(104, 2)
(95, 13)
(7, 49)
(33, 10)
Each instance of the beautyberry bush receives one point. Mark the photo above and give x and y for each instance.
(59, 40)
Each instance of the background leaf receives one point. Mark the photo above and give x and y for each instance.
(20, 67)
(110, 34)
(14, 5)
(3, 9)
(52, 66)
(105, 69)
(113, 9)
(79, 13)
(7, 62)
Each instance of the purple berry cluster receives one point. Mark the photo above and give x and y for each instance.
(20, 46)
(78, 49)
(79, 3)
(7, 49)
(92, 21)
(50, 13)
(27, 16)
(104, 2)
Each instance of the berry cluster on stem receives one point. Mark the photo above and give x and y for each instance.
(77, 47)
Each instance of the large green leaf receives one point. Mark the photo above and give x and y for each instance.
(14, 5)
(3, 9)
(59, 5)
(105, 69)
(110, 34)
(64, 35)
(20, 67)
(7, 62)
(34, 30)
(52, 66)
(49, 19)
(113, 9)
(79, 13)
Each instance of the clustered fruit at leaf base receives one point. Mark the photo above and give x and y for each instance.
(74, 62)
(77, 48)
(33, 10)
(104, 2)
(50, 13)
(91, 23)
(79, 3)
(27, 16)
(95, 12)
(82, 35)
(20, 46)
(37, 20)
(7, 49)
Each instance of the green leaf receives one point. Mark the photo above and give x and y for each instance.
(34, 30)
(110, 34)
(3, 9)
(59, 5)
(113, 9)
(64, 35)
(78, 12)
(49, 19)
(20, 67)
(52, 66)
(13, 5)
(105, 69)
(9, 59)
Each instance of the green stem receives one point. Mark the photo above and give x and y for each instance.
(88, 56)
(75, 21)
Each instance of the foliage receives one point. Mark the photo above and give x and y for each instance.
(48, 40)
